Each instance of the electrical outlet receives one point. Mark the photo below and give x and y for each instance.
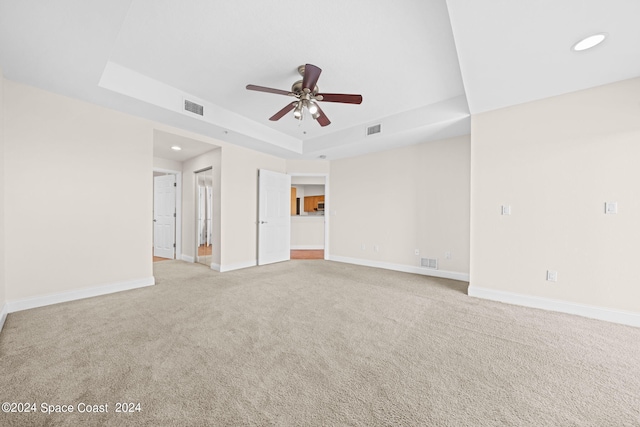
(447, 255)
(506, 210)
(552, 276)
(611, 207)
(416, 252)
(363, 247)
(376, 248)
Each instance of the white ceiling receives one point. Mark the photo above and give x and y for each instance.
(421, 66)
(189, 148)
(512, 52)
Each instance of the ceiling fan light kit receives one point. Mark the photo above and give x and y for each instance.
(307, 93)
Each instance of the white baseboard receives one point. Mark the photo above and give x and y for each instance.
(238, 265)
(593, 312)
(3, 315)
(27, 303)
(187, 258)
(307, 247)
(401, 267)
(215, 266)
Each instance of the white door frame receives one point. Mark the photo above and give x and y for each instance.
(327, 206)
(196, 199)
(178, 174)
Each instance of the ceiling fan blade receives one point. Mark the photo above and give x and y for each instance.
(280, 114)
(269, 90)
(311, 76)
(341, 97)
(322, 118)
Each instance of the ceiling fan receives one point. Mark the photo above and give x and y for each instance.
(307, 96)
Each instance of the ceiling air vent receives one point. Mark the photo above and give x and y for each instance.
(372, 130)
(429, 263)
(193, 107)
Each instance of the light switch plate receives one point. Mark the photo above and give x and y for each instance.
(506, 210)
(611, 207)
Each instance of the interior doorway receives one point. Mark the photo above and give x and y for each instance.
(274, 225)
(310, 216)
(307, 254)
(204, 216)
(166, 214)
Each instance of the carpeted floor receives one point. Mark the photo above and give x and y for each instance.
(315, 343)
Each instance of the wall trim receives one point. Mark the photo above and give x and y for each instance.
(464, 277)
(187, 258)
(41, 301)
(215, 267)
(3, 315)
(307, 247)
(237, 266)
(600, 313)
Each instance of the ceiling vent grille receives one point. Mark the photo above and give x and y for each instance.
(372, 130)
(429, 263)
(193, 107)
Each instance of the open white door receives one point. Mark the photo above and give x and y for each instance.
(164, 220)
(274, 217)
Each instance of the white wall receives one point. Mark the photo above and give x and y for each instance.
(307, 167)
(308, 179)
(210, 159)
(3, 299)
(240, 203)
(78, 192)
(556, 162)
(166, 164)
(307, 232)
(95, 234)
(312, 234)
(314, 190)
(409, 198)
(239, 197)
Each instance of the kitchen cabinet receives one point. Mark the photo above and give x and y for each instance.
(311, 203)
(308, 204)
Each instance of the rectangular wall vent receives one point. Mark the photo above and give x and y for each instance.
(429, 263)
(193, 107)
(372, 130)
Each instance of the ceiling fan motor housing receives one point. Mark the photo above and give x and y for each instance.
(297, 88)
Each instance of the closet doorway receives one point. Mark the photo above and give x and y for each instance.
(167, 185)
(204, 216)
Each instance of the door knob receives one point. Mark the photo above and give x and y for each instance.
(263, 222)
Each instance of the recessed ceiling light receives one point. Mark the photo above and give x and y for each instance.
(589, 42)
(176, 148)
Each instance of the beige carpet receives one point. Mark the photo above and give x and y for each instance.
(316, 343)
